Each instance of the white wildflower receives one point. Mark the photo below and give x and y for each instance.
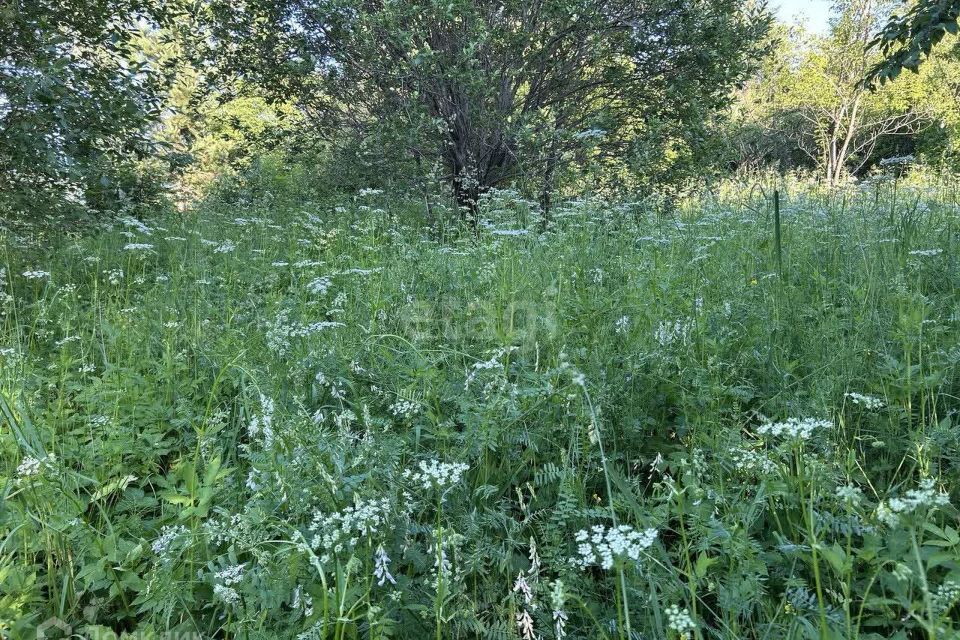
(850, 493)
(436, 474)
(319, 286)
(260, 426)
(946, 596)
(525, 625)
(228, 595)
(622, 325)
(28, 467)
(679, 619)
(406, 409)
(168, 536)
(381, 567)
(522, 587)
(925, 496)
(114, 276)
(231, 575)
(603, 546)
(794, 428)
(334, 532)
(867, 402)
(753, 462)
(675, 332)
(557, 601)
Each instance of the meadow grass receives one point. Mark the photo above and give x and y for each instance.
(282, 418)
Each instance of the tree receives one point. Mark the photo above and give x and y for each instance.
(76, 99)
(908, 37)
(818, 102)
(498, 90)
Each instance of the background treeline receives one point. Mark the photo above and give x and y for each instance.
(110, 104)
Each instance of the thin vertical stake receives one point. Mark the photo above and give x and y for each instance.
(776, 231)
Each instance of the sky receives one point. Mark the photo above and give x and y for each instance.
(813, 13)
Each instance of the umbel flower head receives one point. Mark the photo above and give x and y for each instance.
(794, 428)
(603, 546)
(923, 497)
(434, 474)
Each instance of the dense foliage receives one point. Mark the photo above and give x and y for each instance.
(77, 98)
(315, 421)
(909, 36)
(470, 319)
(488, 94)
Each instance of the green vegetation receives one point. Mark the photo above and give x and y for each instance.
(215, 424)
(615, 319)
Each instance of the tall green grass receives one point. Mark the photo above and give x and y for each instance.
(214, 424)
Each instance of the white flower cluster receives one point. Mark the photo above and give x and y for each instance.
(601, 545)
(29, 467)
(36, 275)
(231, 575)
(114, 276)
(319, 286)
(138, 246)
(794, 428)
(225, 247)
(334, 532)
(850, 493)
(227, 594)
(925, 496)
(946, 596)
(926, 253)
(437, 475)
(749, 461)
(493, 363)
(404, 409)
(260, 426)
(867, 402)
(222, 530)
(314, 327)
(622, 325)
(679, 619)
(168, 535)
(668, 333)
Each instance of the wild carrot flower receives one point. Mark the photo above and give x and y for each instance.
(28, 467)
(925, 496)
(231, 575)
(867, 402)
(794, 428)
(227, 594)
(603, 546)
(436, 474)
(679, 619)
(334, 532)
